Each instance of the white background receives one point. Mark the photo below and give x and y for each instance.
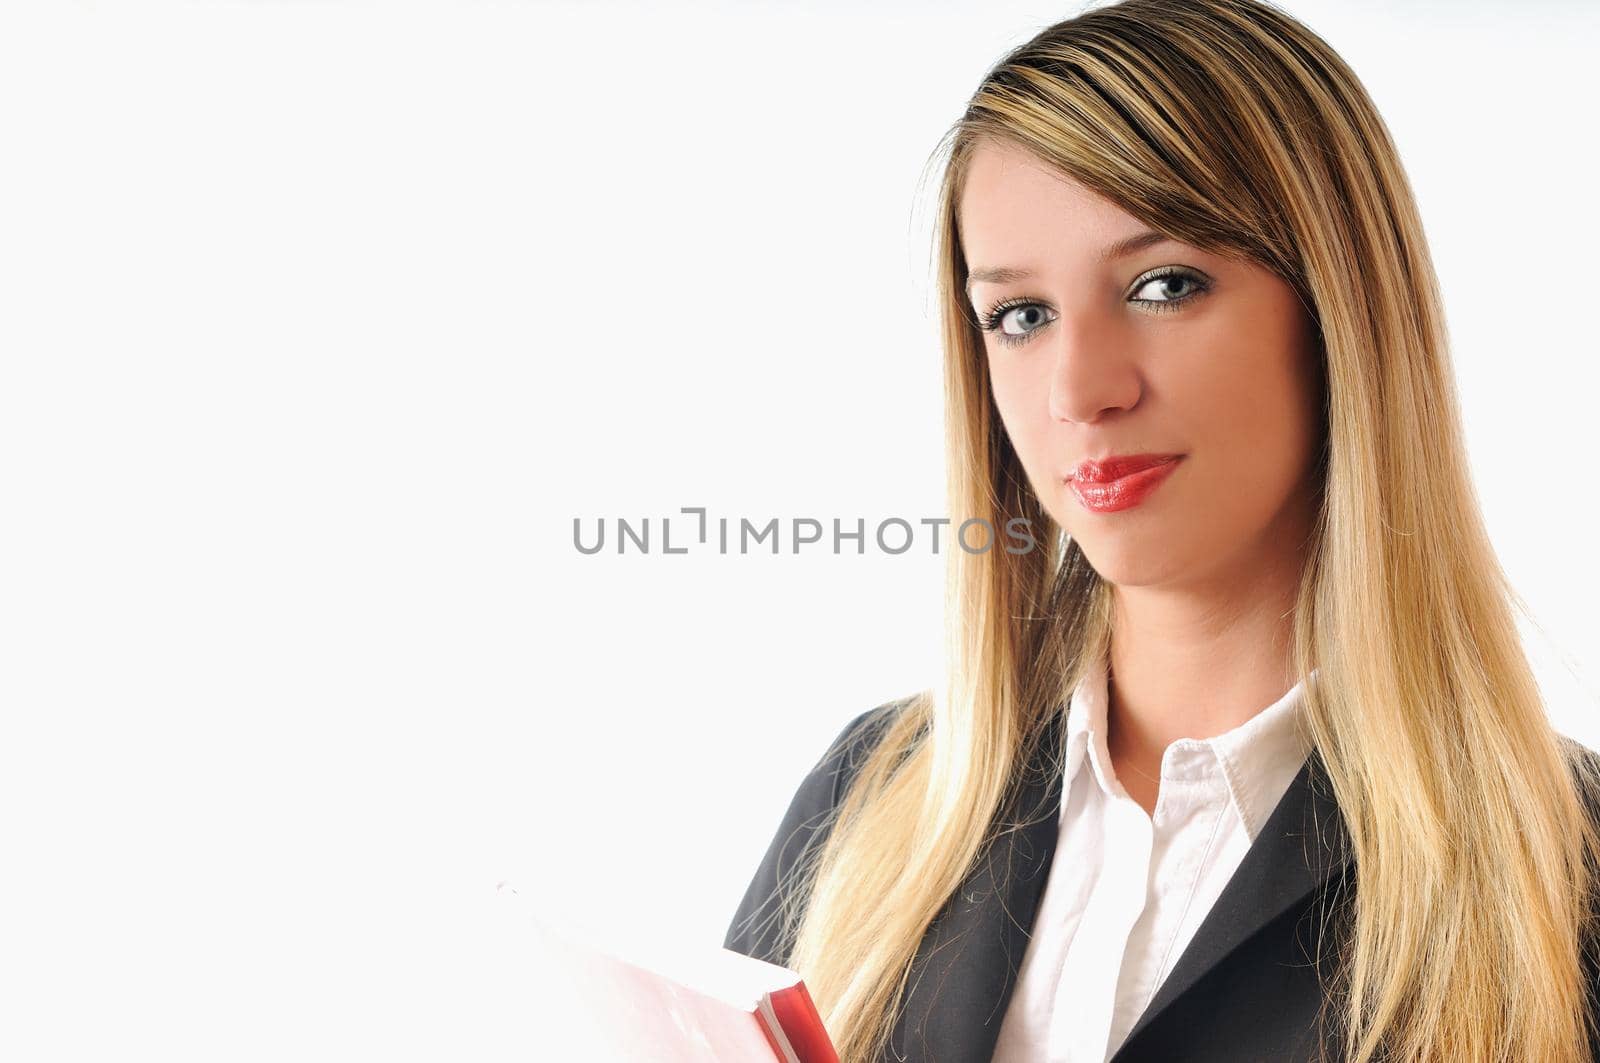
(320, 324)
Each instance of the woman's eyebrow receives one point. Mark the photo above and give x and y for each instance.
(1120, 249)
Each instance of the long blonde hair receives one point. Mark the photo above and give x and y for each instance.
(1229, 125)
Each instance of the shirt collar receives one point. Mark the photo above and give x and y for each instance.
(1255, 760)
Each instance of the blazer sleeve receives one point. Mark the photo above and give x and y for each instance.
(756, 928)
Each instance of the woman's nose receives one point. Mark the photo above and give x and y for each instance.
(1091, 371)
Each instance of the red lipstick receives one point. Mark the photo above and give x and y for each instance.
(1121, 481)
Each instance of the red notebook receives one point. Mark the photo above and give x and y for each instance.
(671, 1004)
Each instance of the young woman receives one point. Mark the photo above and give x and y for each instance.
(1244, 761)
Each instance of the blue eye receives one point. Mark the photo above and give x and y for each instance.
(1183, 278)
(996, 318)
(1014, 320)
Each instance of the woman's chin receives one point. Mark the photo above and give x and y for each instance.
(1127, 564)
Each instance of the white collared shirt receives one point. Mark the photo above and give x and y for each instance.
(1127, 890)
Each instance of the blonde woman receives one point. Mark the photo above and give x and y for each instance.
(1244, 761)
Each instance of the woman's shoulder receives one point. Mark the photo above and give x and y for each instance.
(829, 779)
(756, 928)
(845, 755)
(1584, 763)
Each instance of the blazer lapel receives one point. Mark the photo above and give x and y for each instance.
(966, 965)
(1302, 844)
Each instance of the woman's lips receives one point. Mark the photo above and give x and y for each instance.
(1111, 488)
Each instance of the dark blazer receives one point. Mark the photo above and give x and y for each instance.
(1245, 989)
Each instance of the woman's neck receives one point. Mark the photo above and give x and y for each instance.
(1189, 664)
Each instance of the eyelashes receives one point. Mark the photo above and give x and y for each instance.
(1195, 284)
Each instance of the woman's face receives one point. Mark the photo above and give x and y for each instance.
(1156, 349)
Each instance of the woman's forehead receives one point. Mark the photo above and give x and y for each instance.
(1011, 199)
